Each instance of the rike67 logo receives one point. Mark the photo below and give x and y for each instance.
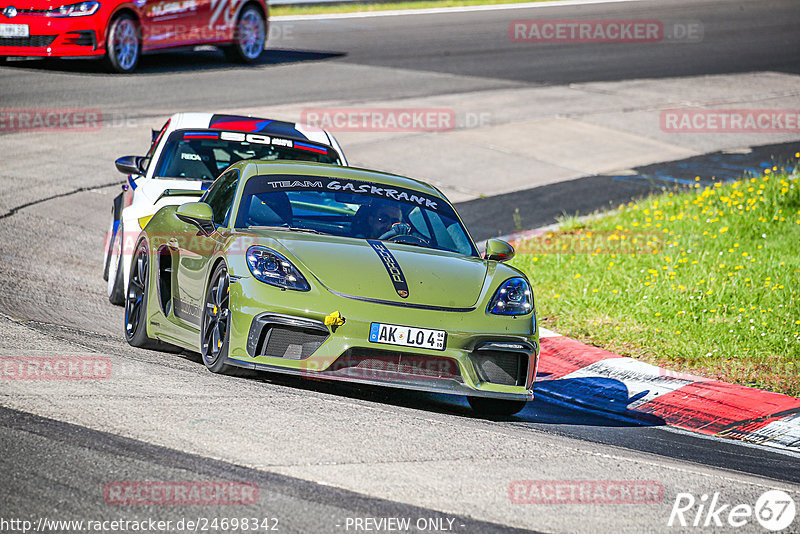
(774, 510)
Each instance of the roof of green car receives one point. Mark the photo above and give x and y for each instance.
(335, 171)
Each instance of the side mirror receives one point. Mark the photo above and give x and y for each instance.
(130, 165)
(498, 250)
(199, 214)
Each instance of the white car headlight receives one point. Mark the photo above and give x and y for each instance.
(513, 297)
(81, 9)
(274, 269)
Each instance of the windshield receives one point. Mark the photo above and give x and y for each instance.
(351, 208)
(204, 154)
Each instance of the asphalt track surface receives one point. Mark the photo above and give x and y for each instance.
(53, 463)
(737, 37)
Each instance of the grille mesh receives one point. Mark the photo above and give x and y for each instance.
(292, 343)
(34, 41)
(500, 367)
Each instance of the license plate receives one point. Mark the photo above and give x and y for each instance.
(14, 30)
(407, 336)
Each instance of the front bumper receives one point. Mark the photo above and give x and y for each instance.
(474, 337)
(53, 37)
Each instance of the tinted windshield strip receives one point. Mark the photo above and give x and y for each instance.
(344, 185)
(318, 148)
(197, 154)
(200, 135)
(312, 148)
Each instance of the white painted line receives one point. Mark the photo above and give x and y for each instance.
(775, 448)
(443, 10)
(781, 433)
(643, 381)
(544, 332)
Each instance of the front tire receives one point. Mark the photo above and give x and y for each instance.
(216, 322)
(496, 407)
(123, 44)
(250, 36)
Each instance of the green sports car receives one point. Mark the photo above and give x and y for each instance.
(337, 273)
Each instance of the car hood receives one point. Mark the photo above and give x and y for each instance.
(358, 268)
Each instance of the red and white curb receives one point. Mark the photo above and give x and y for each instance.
(576, 374)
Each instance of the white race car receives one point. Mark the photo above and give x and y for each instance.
(186, 155)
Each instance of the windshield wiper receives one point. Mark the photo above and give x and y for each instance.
(412, 243)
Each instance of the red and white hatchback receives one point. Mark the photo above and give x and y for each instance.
(121, 30)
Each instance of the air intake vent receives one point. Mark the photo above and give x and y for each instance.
(292, 343)
(33, 41)
(81, 38)
(500, 367)
(284, 336)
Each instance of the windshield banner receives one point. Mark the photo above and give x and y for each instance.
(263, 184)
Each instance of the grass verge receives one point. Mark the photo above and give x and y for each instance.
(704, 281)
(277, 11)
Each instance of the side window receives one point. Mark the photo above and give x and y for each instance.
(220, 196)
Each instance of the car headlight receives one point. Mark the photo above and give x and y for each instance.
(513, 297)
(274, 269)
(81, 9)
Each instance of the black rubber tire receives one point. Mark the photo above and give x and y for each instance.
(117, 296)
(116, 291)
(136, 314)
(216, 315)
(123, 39)
(496, 407)
(108, 253)
(238, 52)
(115, 208)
